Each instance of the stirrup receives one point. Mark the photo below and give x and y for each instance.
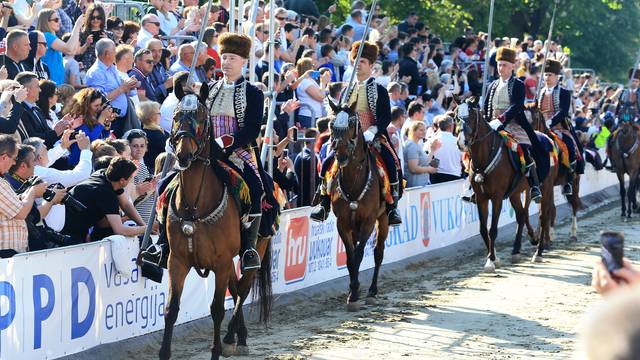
(469, 196)
(251, 264)
(567, 190)
(537, 195)
(319, 213)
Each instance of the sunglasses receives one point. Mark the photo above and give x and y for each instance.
(155, 23)
(42, 43)
(96, 18)
(149, 62)
(281, 18)
(55, 20)
(118, 28)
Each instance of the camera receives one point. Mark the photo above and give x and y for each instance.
(49, 194)
(56, 237)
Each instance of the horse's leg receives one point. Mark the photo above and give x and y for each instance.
(631, 192)
(527, 204)
(244, 288)
(229, 341)
(520, 220)
(620, 175)
(378, 255)
(496, 206)
(360, 241)
(217, 308)
(178, 271)
(483, 214)
(354, 285)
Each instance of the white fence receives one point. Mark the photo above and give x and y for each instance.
(63, 301)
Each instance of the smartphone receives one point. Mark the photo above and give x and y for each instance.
(295, 135)
(73, 135)
(285, 153)
(315, 75)
(612, 249)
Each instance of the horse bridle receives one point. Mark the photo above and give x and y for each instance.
(187, 110)
(353, 142)
(466, 128)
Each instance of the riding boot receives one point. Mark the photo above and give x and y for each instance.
(392, 209)
(250, 257)
(163, 242)
(321, 211)
(567, 189)
(534, 183)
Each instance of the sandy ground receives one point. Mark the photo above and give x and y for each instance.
(446, 308)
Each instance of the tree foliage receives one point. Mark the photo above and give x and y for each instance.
(601, 34)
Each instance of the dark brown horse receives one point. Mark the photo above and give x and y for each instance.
(359, 205)
(203, 229)
(539, 124)
(493, 179)
(625, 158)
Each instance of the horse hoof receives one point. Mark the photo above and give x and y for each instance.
(498, 263)
(515, 258)
(242, 350)
(228, 349)
(489, 267)
(536, 258)
(353, 306)
(573, 238)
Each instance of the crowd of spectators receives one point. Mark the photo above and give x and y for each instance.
(87, 102)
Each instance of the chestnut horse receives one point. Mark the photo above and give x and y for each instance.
(203, 229)
(623, 152)
(494, 178)
(359, 204)
(539, 124)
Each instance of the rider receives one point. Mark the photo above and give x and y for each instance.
(235, 128)
(630, 98)
(504, 109)
(374, 111)
(554, 102)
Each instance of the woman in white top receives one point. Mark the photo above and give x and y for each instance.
(310, 93)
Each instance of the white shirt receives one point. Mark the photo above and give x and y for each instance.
(167, 22)
(166, 112)
(449, 155)
(82, 171)
(304, 98)
(143, 38)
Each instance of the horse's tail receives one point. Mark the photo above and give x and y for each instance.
(262, 286)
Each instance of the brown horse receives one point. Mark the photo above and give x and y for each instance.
(625, 158)
(494, 178)
(539, 124)
(203, 228)
(359, 204)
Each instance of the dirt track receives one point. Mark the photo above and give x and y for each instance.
(446, 308)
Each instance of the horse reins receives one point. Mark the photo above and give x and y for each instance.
(625, 154)
(495, 153)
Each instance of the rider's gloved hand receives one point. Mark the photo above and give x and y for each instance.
(496, 125)
(370, 134)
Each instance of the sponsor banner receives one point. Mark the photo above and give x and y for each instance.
(63, 301)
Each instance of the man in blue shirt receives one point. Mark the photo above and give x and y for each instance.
(142, 70)
(103, 76)
(159, 76)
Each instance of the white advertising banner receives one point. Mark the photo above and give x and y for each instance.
(63, 301)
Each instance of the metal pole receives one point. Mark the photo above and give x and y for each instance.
(232, 16)
(546, 47)
(252, 34)
(240, 16)
(195, 56)
(487, 54)
(347, 91)
(266, 144)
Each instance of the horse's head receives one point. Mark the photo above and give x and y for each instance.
(625, 127)
(534, 117)
(345, 131)
(191, 127)
(469, 119)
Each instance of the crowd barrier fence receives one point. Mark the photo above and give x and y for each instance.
(63, 301)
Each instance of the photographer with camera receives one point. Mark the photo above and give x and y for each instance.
(67, 178)
(21, 178)
(101, 194)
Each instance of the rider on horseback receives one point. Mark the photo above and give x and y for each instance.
(235, 129)
(554, 102)
(629, 105)
(504, 109)
(374, 112)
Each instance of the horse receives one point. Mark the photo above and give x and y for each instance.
(203, 229)
(359, 205)
(494, 178)
(539, 124)
(622, 151)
